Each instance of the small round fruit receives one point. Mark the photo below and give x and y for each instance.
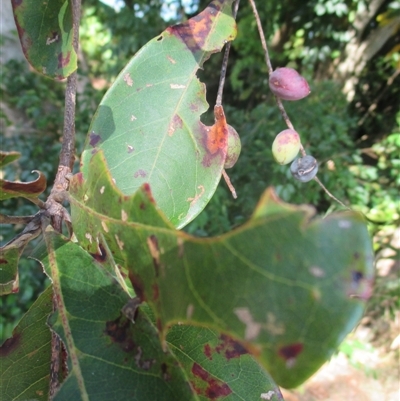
(234, 148)
(288, 84)
(304, 168)
(286, 146)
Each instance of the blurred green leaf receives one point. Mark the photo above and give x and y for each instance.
(25, 357)
(273, 284)
(8, 157)
(148, 124)
(46, 36)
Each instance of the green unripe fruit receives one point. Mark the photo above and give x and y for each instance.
(286, 146)
(234, 148)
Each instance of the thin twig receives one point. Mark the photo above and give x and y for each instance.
(329, 194)
(221, 89)
(229, 183)
(61, 183)
(225, 61)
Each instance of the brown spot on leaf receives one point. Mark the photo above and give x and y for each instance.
(156, 292)
(16, 3)
(215, 388)
(119, 332)
(94, 139)
(152, 243)
(175, 124)
(127, 78)
(138, 286)
(289, 352)
(164, 371)
(54, 37)
(3, 261)
(217, 135)
(10, 345)
(63, 61)
(230, 347)
(194, 107)
(207, 351)
(171, 60)
(101, 255)
(140, 173)
(194, 32)
(147, 189)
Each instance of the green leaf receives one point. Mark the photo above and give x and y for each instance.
(30, 190)
(8, 157)
(9, 258)
(288, 286)
(11, 252)
(218, 366)
(110, 356)
(25, 357)
(148, 123)
(46, 36)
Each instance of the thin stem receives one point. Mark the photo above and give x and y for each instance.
(278, 100)
(329, 194)
(61, 183)
(225, 61)
(229, 183)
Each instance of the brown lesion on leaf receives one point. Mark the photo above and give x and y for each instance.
(10, 345)
(140, 173)
(63, 61)
(194, 200)
(207, 385)
(120, 243)
(147, 190)
(152, 243)
(101, 254)
(195, 31)
(290, 352)
(119, 332)
(207, 351)
(128, 79)
(137, 285)
(215, 138)
(175, 124)
(94, 139)
(171, 60)
(54, 37)
(230, 347)
(360, 286)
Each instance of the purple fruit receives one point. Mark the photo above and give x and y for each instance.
(286, 83)
(234, 148)
(286, 146)
(304, 168)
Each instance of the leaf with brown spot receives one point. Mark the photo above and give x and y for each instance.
(148, 123)
(25, 357)
(46, 36)
(275, 307)
(111, 357)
